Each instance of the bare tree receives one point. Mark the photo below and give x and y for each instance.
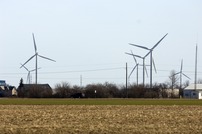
(63, 90)
(186, 83)
(173, 79)
(199, 81)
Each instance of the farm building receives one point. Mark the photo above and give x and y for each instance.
(191, 92)
(35, 91)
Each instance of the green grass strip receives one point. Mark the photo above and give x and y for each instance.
(19, 101)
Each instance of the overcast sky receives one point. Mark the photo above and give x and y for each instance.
(89, 38)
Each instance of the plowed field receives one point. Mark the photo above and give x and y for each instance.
(100, 119)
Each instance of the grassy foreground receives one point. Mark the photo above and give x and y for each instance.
(19, 101)
(100, 116)
(100, 119)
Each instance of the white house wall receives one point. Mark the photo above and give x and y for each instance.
(199, 95)
(190, 94)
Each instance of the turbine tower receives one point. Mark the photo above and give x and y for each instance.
(150, 52)
(196, 55)
(36, 56)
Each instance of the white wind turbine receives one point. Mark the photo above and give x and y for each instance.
(150, 52)
(29, 74)
(36, 55)
(143, 65)
(181, 73)
(136, 66)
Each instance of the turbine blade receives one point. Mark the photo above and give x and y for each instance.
(133, 57)
(159, 41)
(46, 58)
(186, 76)
(176, 73)
(132, 71)
(27, 79)
(28, 60)
(128, 53)
(154, 65)
(146, 71)
(181, 65)
(35, 48)
(148, 53)
(28, 75)
(35, 69)
(139, 46)
(24, 67)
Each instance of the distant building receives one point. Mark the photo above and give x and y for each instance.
(14, 92)
(172, 92)
(2, 83)
(192, 93)
(35, 91)
(6, 90)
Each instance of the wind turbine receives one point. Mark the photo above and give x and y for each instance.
(29, 74)
(181, 73)
(150, 52)
(36, 55)
(136, 66)
(143, 58)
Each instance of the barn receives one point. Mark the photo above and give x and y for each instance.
(35, 91)
(192, 93)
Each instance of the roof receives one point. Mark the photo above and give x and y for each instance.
(192, 87)
(44, 86)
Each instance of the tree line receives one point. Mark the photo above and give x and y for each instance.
(169, 89)
(99, 90)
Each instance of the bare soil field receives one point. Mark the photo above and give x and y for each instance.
(98, 119)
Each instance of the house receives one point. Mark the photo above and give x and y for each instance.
(192, 93)
(172, 92)
(2, 83)
(14, 92)
(7, 91)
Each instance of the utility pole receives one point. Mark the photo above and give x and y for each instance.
(80, 80)
(195, 81)
(126, 80)
(151, 64)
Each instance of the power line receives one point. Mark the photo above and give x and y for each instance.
(90, 70)
(72, 71)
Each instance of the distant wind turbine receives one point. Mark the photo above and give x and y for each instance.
(36, 55)
(150, 52)
(136, 66)
(143, 58)
(181, 73)
(29, 74)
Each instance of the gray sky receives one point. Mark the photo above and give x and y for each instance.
(90, 37)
